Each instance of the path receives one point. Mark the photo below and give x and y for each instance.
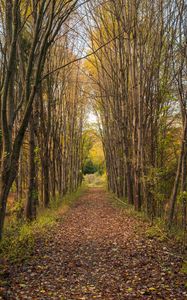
(95, 253)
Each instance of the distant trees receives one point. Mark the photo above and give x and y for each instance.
(93, 156)
(139, 93)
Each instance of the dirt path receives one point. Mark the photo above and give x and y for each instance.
(95, 253)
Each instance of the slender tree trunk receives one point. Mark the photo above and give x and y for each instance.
(177, 177)
(184, 188)
(46, 179)
(32, 197)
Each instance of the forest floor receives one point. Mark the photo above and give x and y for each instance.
(98, 251)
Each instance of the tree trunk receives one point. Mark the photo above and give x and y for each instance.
(46, 180)
(177, 177)
(32, 197)
(8, 175)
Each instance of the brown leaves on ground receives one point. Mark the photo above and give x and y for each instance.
(96, 252)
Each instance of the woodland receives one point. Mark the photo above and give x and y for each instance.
(93, 95)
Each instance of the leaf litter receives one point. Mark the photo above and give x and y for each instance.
(96, 252)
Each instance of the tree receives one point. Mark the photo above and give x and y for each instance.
(46, 18)
(137, 86)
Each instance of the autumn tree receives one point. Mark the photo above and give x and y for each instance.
(137, 88)
(29, 30)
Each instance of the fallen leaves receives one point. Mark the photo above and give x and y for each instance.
(95, 252)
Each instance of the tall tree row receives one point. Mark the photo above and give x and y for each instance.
(41, 110)
(139, 89)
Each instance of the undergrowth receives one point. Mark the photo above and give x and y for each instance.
(123, 204)
(157, 228)
(95, 180)
(19, 238)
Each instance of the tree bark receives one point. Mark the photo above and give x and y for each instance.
(32, 196)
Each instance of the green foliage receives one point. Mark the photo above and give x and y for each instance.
(37, 154)
(17, 245)
(129, 209)
(95, 180)
(182, 196)
(184, 268)
(17, 207)
(89, 167)
(93, 156)
(157, 231)
(19, 239)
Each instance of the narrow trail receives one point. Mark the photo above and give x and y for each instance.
(98, 252)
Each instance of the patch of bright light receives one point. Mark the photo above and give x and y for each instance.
(92, 118)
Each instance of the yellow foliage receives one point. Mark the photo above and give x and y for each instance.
(96, 153)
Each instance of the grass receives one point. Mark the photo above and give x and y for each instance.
(95, 180)
(157, 228)
(123, 204)
(19, 238)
